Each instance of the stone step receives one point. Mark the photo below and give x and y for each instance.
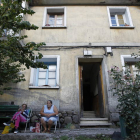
(88, 112)
(93, 123)
(89, 117)
(94, 119)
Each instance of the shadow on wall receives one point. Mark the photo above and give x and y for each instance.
(35, 100)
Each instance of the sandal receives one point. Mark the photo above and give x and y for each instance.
(44, 131)
(48, 131)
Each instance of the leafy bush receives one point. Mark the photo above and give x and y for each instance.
(127, 88)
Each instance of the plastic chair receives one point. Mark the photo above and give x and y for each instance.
(28, 119)
(56, 103)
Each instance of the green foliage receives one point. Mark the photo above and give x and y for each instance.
(102, 137)
(12, 54)
(64, 138)
(127, 88)
(70, 126)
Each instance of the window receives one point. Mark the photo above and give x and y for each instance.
(46, 78)
(119, 17)
(130, 62)
(54, 17)
(55, 20)
(133, 69)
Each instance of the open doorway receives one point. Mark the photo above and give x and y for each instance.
(91, 88)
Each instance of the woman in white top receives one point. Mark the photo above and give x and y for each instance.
(49, 113)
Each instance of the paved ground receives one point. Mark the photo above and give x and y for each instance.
(88, 132)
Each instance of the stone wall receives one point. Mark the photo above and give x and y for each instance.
(68, 119)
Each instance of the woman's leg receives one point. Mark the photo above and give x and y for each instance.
(15, 115)
(19, 118)
(13, 118)
(50, 123)
(43, 122)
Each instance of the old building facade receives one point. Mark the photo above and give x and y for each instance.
(83, 40)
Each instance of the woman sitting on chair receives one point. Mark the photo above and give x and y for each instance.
(20, 116)
(49, 113)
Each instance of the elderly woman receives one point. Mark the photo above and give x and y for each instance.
(20, 116)
(49, 113)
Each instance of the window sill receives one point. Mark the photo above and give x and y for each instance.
(43, 87)
(48, 27)
(122, 27)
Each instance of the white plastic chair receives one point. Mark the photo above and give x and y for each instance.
(56, 103)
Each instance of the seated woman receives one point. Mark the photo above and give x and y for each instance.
(20, 116)
(49, 113)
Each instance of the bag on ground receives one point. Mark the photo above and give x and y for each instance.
(8, 129)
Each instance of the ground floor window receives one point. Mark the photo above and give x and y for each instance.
(46, 77)
(130, 63)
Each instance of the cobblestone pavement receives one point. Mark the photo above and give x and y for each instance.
(87, 132)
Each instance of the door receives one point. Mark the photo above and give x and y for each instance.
(100, 93)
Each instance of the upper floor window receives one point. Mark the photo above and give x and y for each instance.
(119, 17)
(54, 17)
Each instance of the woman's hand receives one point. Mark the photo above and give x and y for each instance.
(19, 109)
(22, 110)
(47, 115)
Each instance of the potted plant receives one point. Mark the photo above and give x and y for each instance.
(127, 90)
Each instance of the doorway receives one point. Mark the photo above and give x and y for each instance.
(91, 88)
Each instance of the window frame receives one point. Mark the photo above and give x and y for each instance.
(124, 18)
(34, 73)
(128, 58)
(45, 18)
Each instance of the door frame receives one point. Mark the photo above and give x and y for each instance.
(105, 79)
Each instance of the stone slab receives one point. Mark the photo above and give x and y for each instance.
(59, 133)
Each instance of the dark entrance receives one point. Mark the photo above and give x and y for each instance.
(91, 88)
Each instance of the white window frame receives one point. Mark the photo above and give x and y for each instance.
(45, 17)
(120, 8)
(34, 73)
(127, 58)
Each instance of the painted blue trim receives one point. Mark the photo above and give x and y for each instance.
(37, 77)
(50, 63)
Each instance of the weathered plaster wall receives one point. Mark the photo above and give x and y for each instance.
(67, 93)
(85, 24)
